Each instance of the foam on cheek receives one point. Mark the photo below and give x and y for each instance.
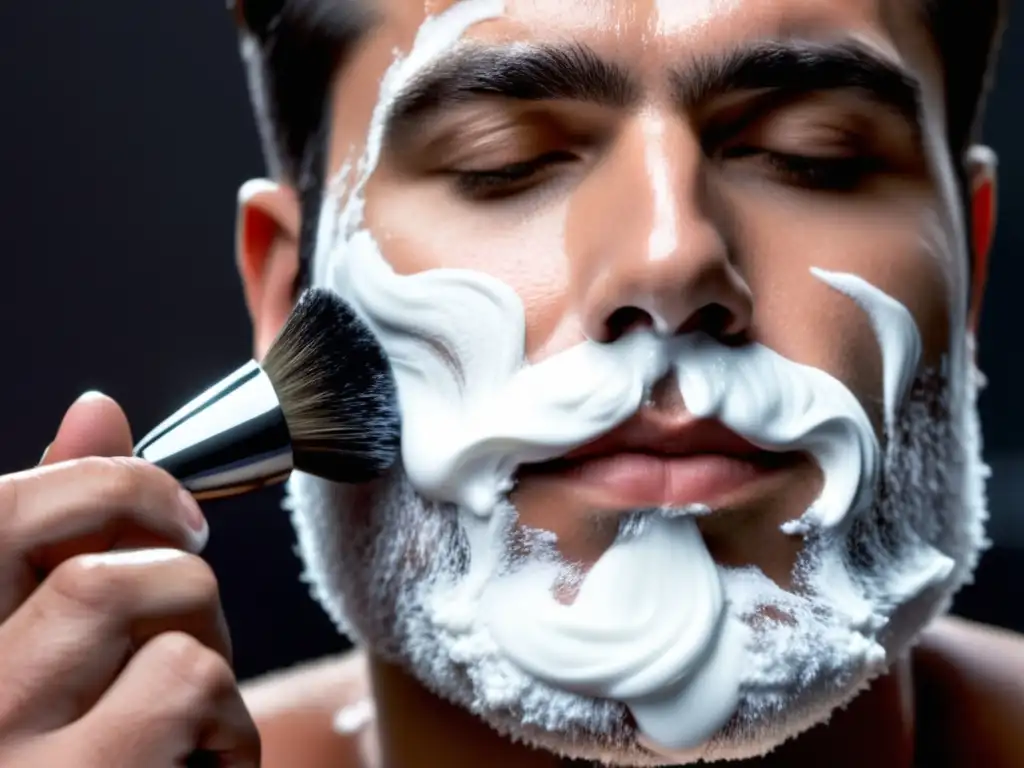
(436, 35)
(897, 334)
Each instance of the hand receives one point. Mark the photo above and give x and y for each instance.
(113, 646)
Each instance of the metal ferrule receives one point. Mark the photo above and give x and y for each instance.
(230, 440)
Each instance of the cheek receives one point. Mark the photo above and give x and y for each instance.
(898, 250)
(418, 229)
(897, 247)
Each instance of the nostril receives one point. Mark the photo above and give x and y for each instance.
(626, 319)
(716, 320)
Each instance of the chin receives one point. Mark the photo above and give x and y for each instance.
(382, 560)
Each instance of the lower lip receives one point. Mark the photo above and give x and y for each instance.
(635, 479)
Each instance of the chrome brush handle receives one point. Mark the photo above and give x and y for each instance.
(232, 439)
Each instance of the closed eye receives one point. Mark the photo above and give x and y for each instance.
(830, 173)
(508, 180)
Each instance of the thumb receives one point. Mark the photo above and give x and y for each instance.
(94, 425)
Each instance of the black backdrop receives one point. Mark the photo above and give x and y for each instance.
(124, 134)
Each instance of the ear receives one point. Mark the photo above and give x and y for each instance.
(982, 182)
(267, 245)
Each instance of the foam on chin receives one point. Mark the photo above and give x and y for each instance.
(648, 627)
(381, 563)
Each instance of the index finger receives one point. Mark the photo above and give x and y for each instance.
(50, 514)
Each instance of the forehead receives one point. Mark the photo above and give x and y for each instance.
(646, 31)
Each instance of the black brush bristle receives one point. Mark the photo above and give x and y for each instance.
(336, 390)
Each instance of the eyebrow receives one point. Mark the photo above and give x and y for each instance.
(526, 72)
(521, 72)
(800, 67)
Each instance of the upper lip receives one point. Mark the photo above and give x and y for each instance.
(667, 435)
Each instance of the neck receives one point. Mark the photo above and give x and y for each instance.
(417, 729)
(876, 729)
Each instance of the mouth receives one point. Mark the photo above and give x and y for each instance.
(661, 460)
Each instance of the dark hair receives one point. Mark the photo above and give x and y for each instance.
(967, 34)
(293, 48)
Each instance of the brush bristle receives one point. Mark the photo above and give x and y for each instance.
(336, 390)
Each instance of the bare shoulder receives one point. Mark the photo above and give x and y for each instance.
(979, 655)
(296, 710)
(971, 687)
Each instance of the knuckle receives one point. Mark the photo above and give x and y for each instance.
(201, 670)
(9, 505)
(122, 482)
(123, 485)
(201, 581)
(88, 583)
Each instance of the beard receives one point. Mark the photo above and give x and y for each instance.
(383, 559)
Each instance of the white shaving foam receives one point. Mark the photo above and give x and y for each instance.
(655, 625)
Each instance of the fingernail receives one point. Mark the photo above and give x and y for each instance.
(46, 452)
(196, 520)
(92, 394)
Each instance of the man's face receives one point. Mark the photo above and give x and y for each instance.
(601, 171)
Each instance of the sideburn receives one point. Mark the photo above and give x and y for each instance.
(310, 187)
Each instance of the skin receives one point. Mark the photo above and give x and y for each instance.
(707, 228)
(723, 231)
(89, 631)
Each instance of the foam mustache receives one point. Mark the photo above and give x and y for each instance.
(474, 410)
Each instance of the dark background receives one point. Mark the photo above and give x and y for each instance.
(125, 132)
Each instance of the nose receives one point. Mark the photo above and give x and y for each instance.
(650, 246)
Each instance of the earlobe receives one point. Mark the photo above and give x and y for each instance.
(982, 179)
(268, 255)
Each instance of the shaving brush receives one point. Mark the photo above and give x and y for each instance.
(323, 401)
